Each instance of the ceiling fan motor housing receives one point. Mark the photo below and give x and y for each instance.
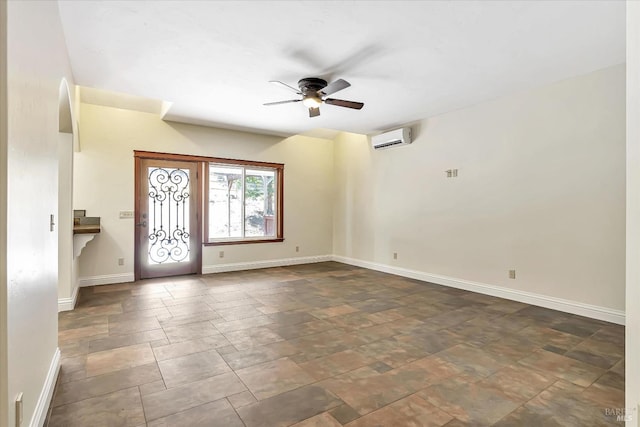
(311, 85)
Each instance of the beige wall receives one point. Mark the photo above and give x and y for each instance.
(104, 184)
(633, 214)
(541, 189)
(37, 62)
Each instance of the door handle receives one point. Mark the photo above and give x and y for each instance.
(141, 224)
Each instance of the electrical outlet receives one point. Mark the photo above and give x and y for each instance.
(120, 261)
(297, 248)
(19, 414)
(221, 254)
(395, 255)
(512, 274)
(126, 214)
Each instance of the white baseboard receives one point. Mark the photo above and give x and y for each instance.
(106, 279)
(568, 306)
(44, 401)
(252, 265)
(67, 304)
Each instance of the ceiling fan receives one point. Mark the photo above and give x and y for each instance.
(314, 91)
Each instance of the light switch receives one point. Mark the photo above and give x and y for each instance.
(126, 214)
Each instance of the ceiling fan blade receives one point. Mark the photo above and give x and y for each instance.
(313, 112)
(333, 87)
(278, 82)
(282, 102)
(343, 103)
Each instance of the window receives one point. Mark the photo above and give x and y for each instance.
(244, 202)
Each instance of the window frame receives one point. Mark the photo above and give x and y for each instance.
(203, 212)
(278, 168)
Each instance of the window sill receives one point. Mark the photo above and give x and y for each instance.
(243, 242)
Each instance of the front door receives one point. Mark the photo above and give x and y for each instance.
(167, 231)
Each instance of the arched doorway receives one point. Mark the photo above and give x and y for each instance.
(67, 286)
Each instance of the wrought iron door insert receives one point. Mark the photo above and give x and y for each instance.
(168, 215)
(168, 237)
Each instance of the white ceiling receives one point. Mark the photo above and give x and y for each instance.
(405, 60)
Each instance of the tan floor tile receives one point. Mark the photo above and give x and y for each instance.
(366, 394)
(218, 413)
(336, 364)
(392, 352)
(82, 311)
(339, 310)
(121, 408)
(190, 331)
(138, 314)
(112, 342)
(563, 401)
(94, 331)
(253, 337)
(241, 399)
(541, 335)
(473, 360)
(184, 348)
(605, 397)
(74, 348)
(178, 399)
(131, 326)
(470, 402)
(563, 367)
(239, 312)
(192, 367)
(344, 414)
(103, 362)
(323, 420)
(410, 411)
(259, 354)
(66, 323)
(187, 309)
(386, 316)
(294, 331)
(519, 382)
(152, 387)
(242, 324)
(185, 319)
(272, 378)
(288, 408)
(104, 384)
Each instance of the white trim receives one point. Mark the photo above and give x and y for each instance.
(252, 265)
(67, 304)
(106, 279)
(44, 401)
(568, 306)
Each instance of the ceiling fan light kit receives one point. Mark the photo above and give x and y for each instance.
(311, 101)
(313, 92)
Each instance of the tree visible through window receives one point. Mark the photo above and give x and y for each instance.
(243, 202)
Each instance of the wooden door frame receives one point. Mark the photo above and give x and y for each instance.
(146, 155)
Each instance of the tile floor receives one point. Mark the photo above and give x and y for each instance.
(328, 345)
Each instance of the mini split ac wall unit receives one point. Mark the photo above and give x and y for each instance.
(390, 139)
